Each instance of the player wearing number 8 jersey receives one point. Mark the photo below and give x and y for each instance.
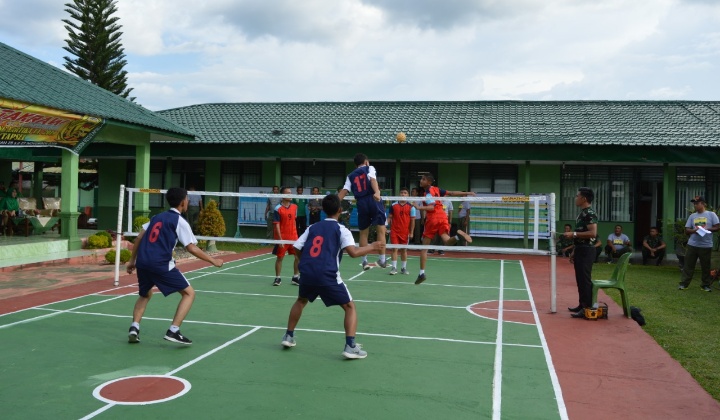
(362, 182)
(152, 256)
(320, 249)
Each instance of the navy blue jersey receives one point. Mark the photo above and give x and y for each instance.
(162, 233)
(358, 181)
(321, 248)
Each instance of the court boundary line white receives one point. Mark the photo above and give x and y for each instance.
(562, 409)
(497, 365)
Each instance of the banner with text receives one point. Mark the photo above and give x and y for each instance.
(26, 125)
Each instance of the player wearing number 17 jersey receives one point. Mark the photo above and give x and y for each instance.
(320, 248)
(362, 182)
(152, 256)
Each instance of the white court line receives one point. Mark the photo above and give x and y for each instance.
(354, 300)
(497, 367)
(436, 284)
(548, 358)
(37, 318)
(93, 294)
(172, 372)
(283, 328)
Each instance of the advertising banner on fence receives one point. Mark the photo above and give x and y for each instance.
(26, 125)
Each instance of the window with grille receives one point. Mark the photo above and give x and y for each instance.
(487, 178)
(613, 188)
(235, 174)
(410, 173)
(692, 181)
(313, 174)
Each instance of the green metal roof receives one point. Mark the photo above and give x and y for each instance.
(617, 123)
(27, 79)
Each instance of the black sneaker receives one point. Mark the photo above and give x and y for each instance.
(431, 251)
(441, 252)
(421, 278)
(706, 289)
(295, 281)
(277, 281)
(176, 337)
(133, 335)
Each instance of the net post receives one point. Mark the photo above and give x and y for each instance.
(118, 234)
(553, 256)
(130, 204)
(536, 223)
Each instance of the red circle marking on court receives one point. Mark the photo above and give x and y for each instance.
(516, 311)
(142, 389)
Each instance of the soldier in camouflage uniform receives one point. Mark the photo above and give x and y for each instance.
(653, 247)
(583, 254)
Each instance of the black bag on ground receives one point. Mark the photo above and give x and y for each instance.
(637, 316)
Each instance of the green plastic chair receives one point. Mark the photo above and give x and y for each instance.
(617, 281)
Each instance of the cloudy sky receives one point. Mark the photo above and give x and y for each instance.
(183, 52)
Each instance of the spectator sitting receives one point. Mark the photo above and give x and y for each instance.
(565, 245)
(617, 244)
(9, 207)
(653, 247)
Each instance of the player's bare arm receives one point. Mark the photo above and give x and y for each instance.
(130, 267)
(356, 251)
(375, 188)
(199, 253)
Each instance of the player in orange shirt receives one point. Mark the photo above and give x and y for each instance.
(285, 228)
(402, 225)
(436, 220)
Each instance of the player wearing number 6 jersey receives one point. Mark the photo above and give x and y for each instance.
(320, 249)
(152, 256)
(362, 182)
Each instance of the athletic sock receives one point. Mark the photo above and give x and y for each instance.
(136, 325)
(364, 259)
(174, 328)
(404, 264)
(290, 333)
(394, 264)
(350, 340)
(457, 237)
(382, 259)
(421, 272)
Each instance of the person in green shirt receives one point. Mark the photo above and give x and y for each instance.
(301, 204)
(583, 254)
(653, 247)
(9, 207)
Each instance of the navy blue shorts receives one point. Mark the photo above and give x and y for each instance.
(370, 212)
(336, 294)
(168, 281)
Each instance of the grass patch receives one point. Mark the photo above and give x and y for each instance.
(682, 322)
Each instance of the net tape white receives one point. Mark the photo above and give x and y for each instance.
(506, 198)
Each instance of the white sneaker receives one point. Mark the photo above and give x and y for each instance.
(288, 341)
(354, 352)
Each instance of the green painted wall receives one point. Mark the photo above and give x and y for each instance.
(268, 174)
(213, 180)
(111, 173)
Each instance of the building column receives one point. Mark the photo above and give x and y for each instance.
(398, 167)
(669, 198)
(142, 180)
(70, 198)
(278, 173)
(167, 180)
(37, 183)
(526, 225)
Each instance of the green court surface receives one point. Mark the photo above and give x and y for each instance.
(430, 354)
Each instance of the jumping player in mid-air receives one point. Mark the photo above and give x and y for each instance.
(362, 182)
(436, 220)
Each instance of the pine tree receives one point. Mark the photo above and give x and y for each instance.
(94, 39)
